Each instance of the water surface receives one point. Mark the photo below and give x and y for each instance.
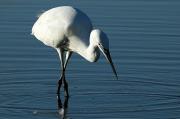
(145, 47)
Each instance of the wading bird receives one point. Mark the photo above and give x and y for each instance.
(69, 30)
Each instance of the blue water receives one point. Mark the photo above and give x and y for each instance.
(145, 47)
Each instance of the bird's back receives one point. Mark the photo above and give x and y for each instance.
(58, 24)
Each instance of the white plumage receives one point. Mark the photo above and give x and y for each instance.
(69, 30)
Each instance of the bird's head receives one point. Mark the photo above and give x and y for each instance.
(101, 40)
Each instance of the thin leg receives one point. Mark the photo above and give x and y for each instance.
(64, 58)
(66, 88)
(60, 52)
(68, 55)
(59, 85)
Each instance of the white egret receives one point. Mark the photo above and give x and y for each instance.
(69, 30)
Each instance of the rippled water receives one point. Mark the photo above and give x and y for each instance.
(145, 45)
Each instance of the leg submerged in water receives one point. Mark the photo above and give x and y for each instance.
(63, 108)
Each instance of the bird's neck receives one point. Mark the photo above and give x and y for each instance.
(91, 53)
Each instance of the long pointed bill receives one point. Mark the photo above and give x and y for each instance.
(108, 57)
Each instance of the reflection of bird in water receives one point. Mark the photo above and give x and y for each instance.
(69, 30)
(63, 108)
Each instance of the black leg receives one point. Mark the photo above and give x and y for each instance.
(66, 93)
(58, 92)
(64, 58)
(62, 80)
(59, 85)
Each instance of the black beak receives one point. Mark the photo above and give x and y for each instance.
(108, 57)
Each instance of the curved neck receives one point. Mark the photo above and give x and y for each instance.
(90, 53)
